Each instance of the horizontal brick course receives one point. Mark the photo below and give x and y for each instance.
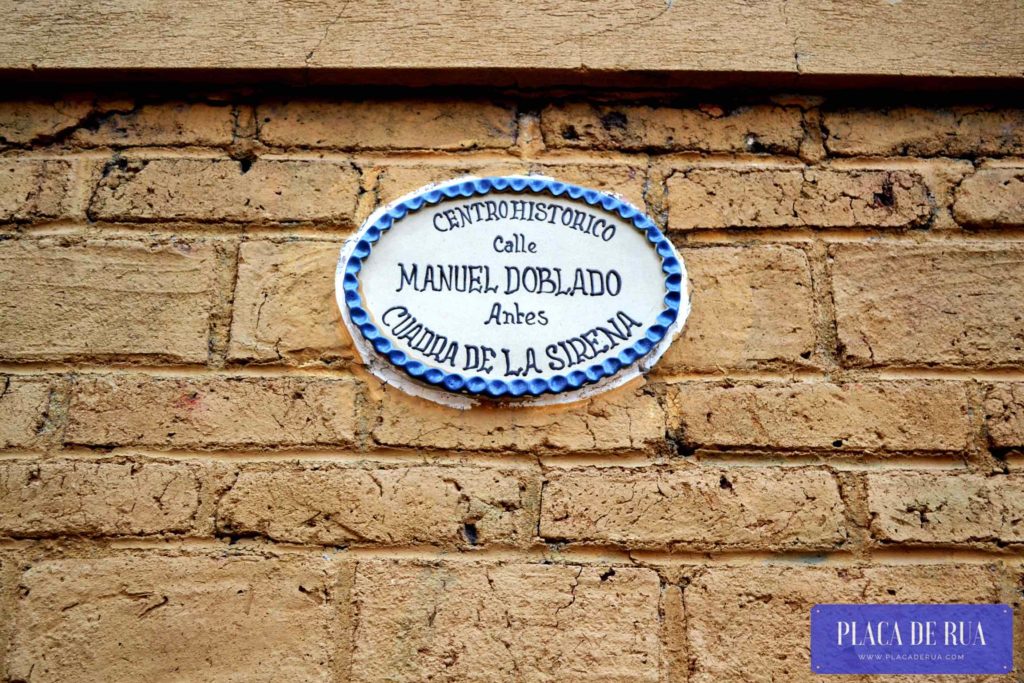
(708, 128)
(333, 505)
(393, 180)
(107, 298)
(624, 419)
(784, 198)
(915, 131)
(751, 307)
(261, 191)
(991, 198)
(284, 306)
(470, 622)
(26, 121)
(624, 178)
(170, 123)
(386, 124)
(190, 618)
(88, 122)
(870, 416)
(948, 304)
(213, 413)
(946, 508)
(699, 508)
(40, 499)
(751, 623)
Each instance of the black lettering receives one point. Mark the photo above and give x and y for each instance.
(556, 363)
(404, 279)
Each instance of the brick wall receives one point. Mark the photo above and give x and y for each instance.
(198, 480)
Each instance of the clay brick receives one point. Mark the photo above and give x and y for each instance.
(394, 180)
(622, 179)
(1004, 415)
(96, 498)
(23, 122)
(751, 623)
(332, 505)
(386, 125)
(875, 416)
(9, 574)
(34, 189)
(752, 307)
(696, 509)
(25, 419)
(267, 190)
(170, 123)
(623, 419)
(946, 508)
(992, 197)
(911, 305)
(531, 622)
(285, 306)
(780, 198)
(107, 298)
(176, 618)
(181, 413)
(611, 176)
(954, 131)
(706, 129)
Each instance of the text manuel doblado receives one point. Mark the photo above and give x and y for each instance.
(513, 279)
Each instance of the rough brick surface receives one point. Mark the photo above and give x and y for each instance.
(199, 481)
(285, 307)
(946, 508)
(751, 623)
(875, 416)
(751, 307)
(27, 121)
(626, 180)
(175, 618)
(173, 123)
(39, 499)
(1004, 415)
(530, 622)
(949, 304)
(699, 508)
(105, 298)
(625, 418)
(182, 413)
(778, 198)
(705, 129)
(26, 419)
(34, 189)
(265, 190)
(386, 125)
(992, 197)
(618, 177)
(954, 131)
(397, 179)
(9, 572)
(334, 505)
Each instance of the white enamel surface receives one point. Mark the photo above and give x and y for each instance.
(461, 316)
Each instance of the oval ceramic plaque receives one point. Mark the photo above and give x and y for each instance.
(513, 287)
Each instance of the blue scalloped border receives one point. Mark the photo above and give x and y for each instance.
(455, 382)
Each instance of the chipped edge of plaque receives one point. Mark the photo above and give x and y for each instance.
(398, 375)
